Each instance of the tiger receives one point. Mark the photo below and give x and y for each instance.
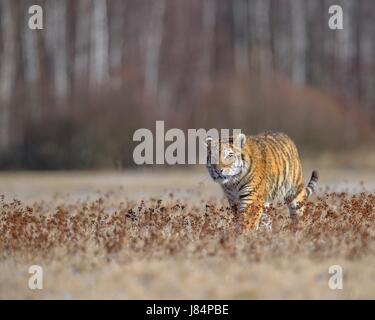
(255, 170)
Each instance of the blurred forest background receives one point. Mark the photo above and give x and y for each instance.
(72, 94)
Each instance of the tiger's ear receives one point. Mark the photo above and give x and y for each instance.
(207, 141)
(240, 140)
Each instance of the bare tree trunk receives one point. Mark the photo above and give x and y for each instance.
(208, 34)
(99, 71)
(71, 34)
(31, 66)
(282, 37)
(116, 40)
(345, 49)
(81, 60)
(260, 35)
(56, 43)
(315, 44)
(153, 46)
(299, 42)
(7, 70)
(366, 54)
(241, 51)
(31, 62)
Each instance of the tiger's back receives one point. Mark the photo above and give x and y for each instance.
(278, 165)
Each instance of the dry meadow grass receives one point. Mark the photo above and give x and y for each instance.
(170, 235)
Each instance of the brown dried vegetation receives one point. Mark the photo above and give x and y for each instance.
(336, 225)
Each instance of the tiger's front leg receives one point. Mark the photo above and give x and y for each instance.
(252, 210)
(252, 217)
(232, 204)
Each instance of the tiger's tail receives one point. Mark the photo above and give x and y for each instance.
(311, 186)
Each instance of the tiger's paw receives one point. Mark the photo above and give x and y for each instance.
(265, 222)
(250, 225)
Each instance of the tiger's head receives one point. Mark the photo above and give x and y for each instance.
(227, 160)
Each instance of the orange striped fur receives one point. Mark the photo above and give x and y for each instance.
(254, 170)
